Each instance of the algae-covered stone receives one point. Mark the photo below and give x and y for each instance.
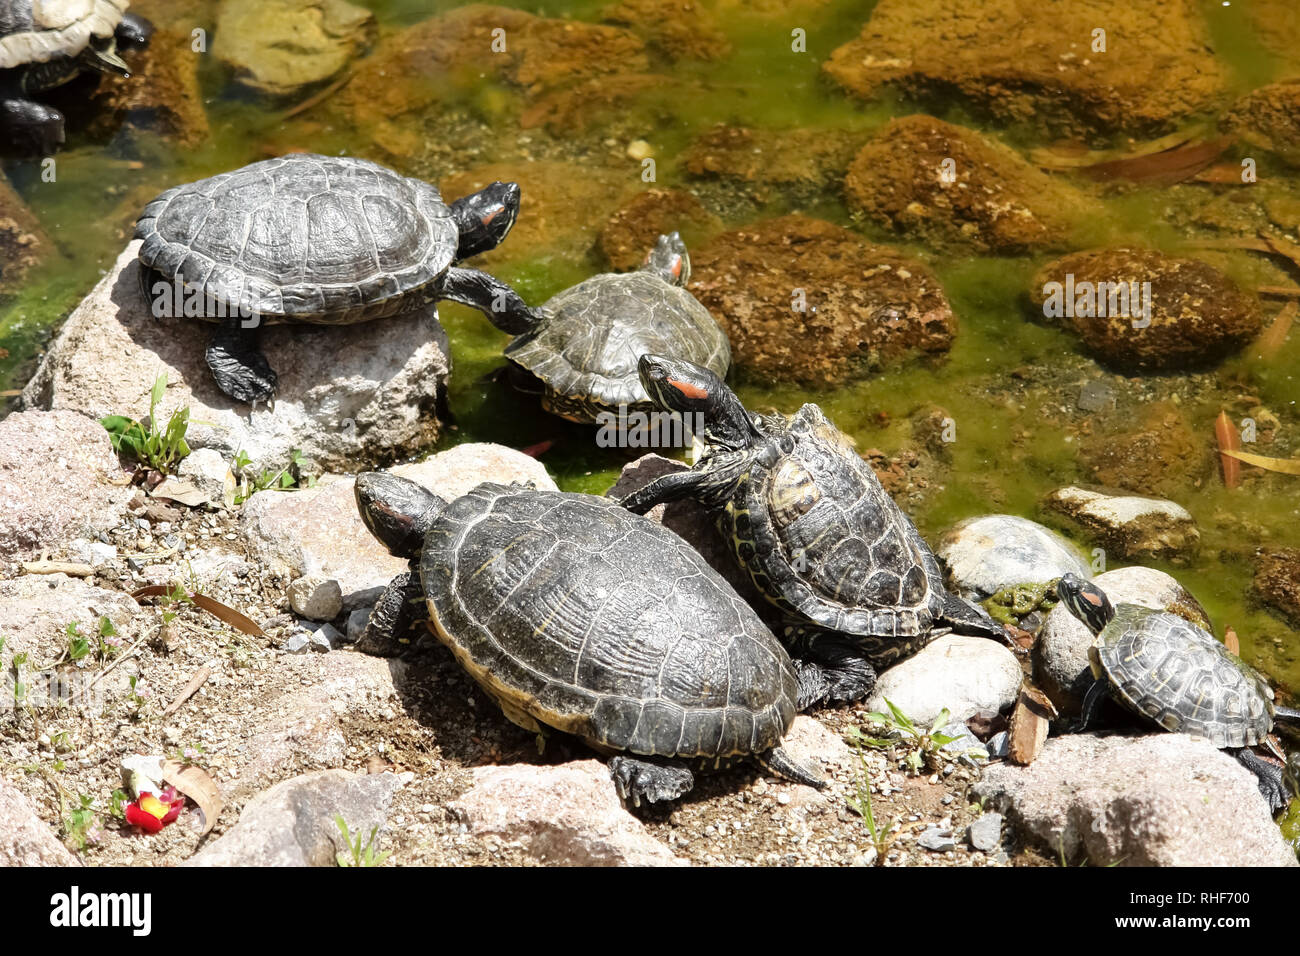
(161, 95)
(1269, 118)
(948, 185)
(674, 29)
(1130, 526)
(635, 225)
(1027, 61)
(805, 300)
(810, 158)
(1157, 457)
(1180, 313)
(1277, 581)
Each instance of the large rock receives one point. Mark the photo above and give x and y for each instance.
(1277, 581)
(1060, 654)
(23, 243)
(631, 232)
(1130, 526)
(566, 815)
(36, 609)
(807, 301)
(988, 200)
(674, 29)
(1139, 459)
(348, 394)
(318, 532)
(1155, 800)
(962, 673)
(804, 161)
(293, 824)
(1197, 315)
(25, 840)
(986, 554)
(1267, 118)
(280, 47)
(1034, 62)
(57, 474)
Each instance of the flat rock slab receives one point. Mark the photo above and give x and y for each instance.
(962, 673)
(1130, 526)
(986, 554)
(1156, 800)
(24, 839)
(566, 815)
(293, 824)
(36, 609)
(56, 474)
(348, 394)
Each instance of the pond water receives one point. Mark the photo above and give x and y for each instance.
(1006, 378)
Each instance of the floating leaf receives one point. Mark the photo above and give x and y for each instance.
(1273, 338)
(1228, 439)
(1077, 156)
(199, 787)
(1285, 466)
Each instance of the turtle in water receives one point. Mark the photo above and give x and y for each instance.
(1166, 669)
(46, 43)
(576, 615)
(809, 521)
(584, 355)
(324, 239)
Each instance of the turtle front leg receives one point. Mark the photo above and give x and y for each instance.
(1271, 782)
(1093, 700)
(670, 487)
(830, 667)
(496, 300)
(240, 369)
(33, 127)
(778, 762)
(639, 778)
(393, 616)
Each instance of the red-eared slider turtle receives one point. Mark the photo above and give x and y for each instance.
(324, 239)
(576, 615)
(584, 353)
(1164, 668)
(808, 520)
(44, 44)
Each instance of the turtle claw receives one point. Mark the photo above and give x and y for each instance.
(638, 780)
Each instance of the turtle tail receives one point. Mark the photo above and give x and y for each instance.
(777, 761)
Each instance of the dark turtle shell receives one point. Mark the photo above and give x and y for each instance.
(603, 624)
(44, 31)
(586, 354)
(1167, 669)
(327, 239)
(822, 538)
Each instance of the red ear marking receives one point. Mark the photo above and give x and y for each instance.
(486, 220)
(1092, 599)
(677, 267)
(687, 389)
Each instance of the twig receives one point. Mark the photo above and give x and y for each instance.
(58, 567)
(188, 691)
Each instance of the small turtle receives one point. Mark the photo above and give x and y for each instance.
(1164, 668)
(324, 239)
(44, 44)
(809, 521)
(585, 353)
(576, 615)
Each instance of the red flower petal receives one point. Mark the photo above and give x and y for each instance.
(143, 819)
(175, 811)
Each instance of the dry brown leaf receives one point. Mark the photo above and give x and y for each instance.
(1280, 291)
(214, 607)
(1272, 339)
(1222, 174)
(1284, 466)
(1282, 246)
(182, 492)
(1228, 440)
(1077, 156)
(1168, 167)
(1231, 642)
(199, 787)
(1029, 725)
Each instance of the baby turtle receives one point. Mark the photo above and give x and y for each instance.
(1164, 668)
(585, 353)
(809, 521)
(324, 239)
(576, 615)
(46, 43)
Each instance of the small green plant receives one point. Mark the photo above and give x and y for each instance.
(881, 837)
(922, 745)
(118, 802)
(359, 854)
(136, 698)
(81, 826)
(287, 478)
(78, 646)
(160, 449)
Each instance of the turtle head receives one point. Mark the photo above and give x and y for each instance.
(698, 394)
(1086, 602)
(669, 261)
(397, 511)
(483, 218)
(101, 55)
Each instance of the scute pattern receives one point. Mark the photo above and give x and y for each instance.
(542, 596)
(306, 238)
(37, 31)
(1167, 669)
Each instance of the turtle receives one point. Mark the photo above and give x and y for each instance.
(324, 239)
(46, 43)
(575, 615)
(1167, 670)
(584, 356)
(807, 519)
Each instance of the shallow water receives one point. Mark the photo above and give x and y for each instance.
(1010, 449)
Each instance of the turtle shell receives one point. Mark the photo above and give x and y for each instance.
(586, 354)
(822, 538)
(572, 611)
(328, 239)
(37, 31)
(1167, 669)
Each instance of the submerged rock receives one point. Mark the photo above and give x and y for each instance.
(1036, 62)
(1156, 800)
(1269, 118)
(674, 29)
(281, 47)
(808, 161)
(950, 186)
(961, 673)
(807, 301)
(1197, 315)
(1143, 459)
(1277, 581)
(984, 555)
(1130, 526)
(348, 394)
(23, 243)
(635, 225)
(1060, 655)
(162, 95)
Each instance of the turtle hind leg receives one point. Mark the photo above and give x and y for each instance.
(778, 761)
(830, 667)
(240, 370)
(638, 779)
(1271, 782)
(33, 127)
